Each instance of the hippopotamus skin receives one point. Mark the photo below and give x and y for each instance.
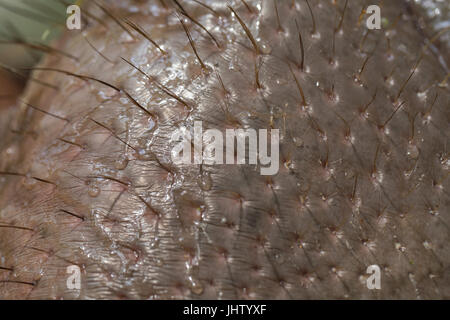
(87, 178)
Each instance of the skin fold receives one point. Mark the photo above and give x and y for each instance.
(87, 179)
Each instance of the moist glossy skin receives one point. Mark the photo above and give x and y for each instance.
(363, 173)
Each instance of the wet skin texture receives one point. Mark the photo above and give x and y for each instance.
(363, 119)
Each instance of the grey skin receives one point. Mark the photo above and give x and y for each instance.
(87, 178)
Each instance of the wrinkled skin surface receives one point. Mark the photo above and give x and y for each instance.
(363, 173)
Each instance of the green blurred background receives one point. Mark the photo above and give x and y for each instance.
(30, 21)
